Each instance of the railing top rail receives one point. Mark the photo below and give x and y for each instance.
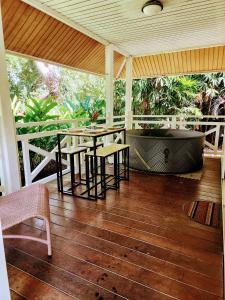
(36, 135)
(52, 122)
(119, 117)
(179, 122)
(180, 116)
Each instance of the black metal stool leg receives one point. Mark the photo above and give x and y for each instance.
(118, 170)
(128, 163)
(103, 177)
(115, 170)
(57, 171)
(79, 166)
(124, 163)
(87, 174)
(72, 178)
(103, 191)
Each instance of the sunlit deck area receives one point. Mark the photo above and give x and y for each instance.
(134, 237)
(139, 244)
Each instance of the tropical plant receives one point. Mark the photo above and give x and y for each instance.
(37, 110)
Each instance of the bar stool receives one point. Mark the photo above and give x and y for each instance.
(71, 151)
(90, 147)
(103, 154)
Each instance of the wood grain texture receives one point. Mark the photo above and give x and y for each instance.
(138, 244)
(176, 63)
(31, 32)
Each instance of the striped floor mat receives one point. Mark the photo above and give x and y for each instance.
(207, 213)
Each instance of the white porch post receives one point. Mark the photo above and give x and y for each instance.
(10, 173)
(109, 69)
(4, 283)
(128, 97)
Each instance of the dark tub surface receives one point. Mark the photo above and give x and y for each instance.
(165, 133)
(166, 150)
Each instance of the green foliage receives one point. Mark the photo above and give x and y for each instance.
(163, 95)
(38, 110)
(192, 94)
(43, 92)
(119, 98)
(24, 78)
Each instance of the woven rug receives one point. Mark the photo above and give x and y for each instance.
(204, 212)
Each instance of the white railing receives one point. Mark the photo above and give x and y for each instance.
(27, 145)
(215, 127)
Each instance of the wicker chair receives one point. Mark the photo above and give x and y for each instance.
(27, 203)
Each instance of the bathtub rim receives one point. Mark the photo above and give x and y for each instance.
(197, 134)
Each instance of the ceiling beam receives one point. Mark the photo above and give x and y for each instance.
(121, 68)
(52, 62)
(121, 51)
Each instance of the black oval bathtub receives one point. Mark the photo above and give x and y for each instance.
(166, 150)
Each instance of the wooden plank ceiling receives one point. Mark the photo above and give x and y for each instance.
(31, 32)
(183, 24)
(182, 62)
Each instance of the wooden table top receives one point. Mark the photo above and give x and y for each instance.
(83, 132)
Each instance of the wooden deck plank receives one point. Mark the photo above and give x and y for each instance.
(65, 281)
(149, 251)
(21, 281)
(112, 264)
(88, 268)
(15, 296)
(166, 233)
(140, 219)
(138, 244)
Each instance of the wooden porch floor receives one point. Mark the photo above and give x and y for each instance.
(138, 244)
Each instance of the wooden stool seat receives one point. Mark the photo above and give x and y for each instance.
(72, 150)
(102, 154)
(108, 150)
(90, 144)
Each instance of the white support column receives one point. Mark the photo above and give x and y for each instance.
(26, 163)
(10, 173)
(4, 283)
(109, 69)
(128, 97)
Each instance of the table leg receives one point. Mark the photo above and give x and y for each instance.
(72, 173)
(57, 170)
(60, 163)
